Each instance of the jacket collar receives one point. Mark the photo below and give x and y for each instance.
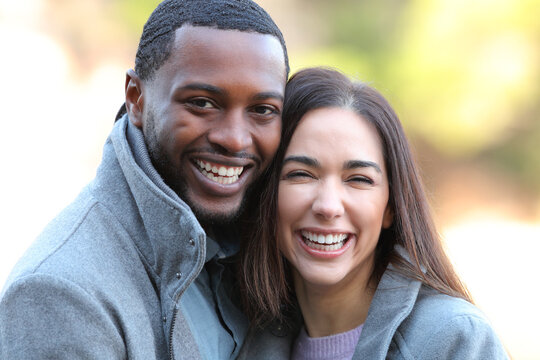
(386, 314)
(168, 236)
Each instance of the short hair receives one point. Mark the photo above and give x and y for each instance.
(265, 281)
(158, 33)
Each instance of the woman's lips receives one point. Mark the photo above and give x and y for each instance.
(325, 245)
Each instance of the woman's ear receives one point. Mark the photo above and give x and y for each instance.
(388, 217)
(134, 98)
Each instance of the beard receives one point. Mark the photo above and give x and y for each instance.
(172, 176)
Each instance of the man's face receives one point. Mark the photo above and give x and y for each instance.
(211, 116)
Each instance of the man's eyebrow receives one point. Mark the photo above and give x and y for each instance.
(219, 91)
(353, 164)
(302, 159)
(201, 86)
(269, 95)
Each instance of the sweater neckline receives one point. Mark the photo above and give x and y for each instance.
(336, 346)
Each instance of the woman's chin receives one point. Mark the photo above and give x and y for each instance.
(320, 278)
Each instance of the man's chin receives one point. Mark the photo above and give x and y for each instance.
(220, 218)
(212, 211)
(218, 213)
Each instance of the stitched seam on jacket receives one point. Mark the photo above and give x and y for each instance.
(443, 327)
(71, 284)
(402, 347)
(77, 225)
(141, 256)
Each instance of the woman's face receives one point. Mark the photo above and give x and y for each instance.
(333, 198)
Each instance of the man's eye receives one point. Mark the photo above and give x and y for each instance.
(201, 103)
(264, 110)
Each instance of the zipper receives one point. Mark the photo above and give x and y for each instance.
(188, 282)
(173, 320)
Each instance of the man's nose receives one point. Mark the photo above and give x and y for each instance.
(232, 132)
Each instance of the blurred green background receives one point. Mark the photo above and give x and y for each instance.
(464, 77)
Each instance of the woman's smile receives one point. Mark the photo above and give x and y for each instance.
(332, 197)
(328, 242)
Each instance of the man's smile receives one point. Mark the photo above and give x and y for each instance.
(220, 173)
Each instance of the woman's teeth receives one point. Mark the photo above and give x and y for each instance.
(328, 242)
(221, 174)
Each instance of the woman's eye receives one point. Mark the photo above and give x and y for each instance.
(360, 179)
(298, 175)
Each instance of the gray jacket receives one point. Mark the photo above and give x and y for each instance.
(406, 321)
(104, 279)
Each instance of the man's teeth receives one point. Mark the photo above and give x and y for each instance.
(220, 174)
(327, 242)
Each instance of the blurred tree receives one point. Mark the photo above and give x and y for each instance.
(98, 29)
(464, 75)
(134, 13)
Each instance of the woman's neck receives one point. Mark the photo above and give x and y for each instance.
(333, 309)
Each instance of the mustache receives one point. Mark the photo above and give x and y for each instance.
(213, 151)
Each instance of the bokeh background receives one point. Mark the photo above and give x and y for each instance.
(464, 76)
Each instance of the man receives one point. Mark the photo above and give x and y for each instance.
(136, 267)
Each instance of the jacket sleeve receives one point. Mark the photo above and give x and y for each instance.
(464, 337)
(44, 317)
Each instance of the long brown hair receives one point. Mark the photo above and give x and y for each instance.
(265, 283)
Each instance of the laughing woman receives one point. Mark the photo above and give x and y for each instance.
(345, 234)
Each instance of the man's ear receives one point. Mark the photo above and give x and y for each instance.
(388, 217)
(134, 98)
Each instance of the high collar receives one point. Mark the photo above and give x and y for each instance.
(228, 244)
(386, 314)
(169, 238)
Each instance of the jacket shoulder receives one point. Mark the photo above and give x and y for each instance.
(75, 245)
(81, 287)
(444, 327)
(53, 237)
(54, 317)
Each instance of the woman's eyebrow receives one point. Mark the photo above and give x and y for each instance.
(353, 164)
(302, 159)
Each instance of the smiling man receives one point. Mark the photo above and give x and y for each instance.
(211, 117)
(137, 266)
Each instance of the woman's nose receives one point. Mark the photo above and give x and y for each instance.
(328, 203)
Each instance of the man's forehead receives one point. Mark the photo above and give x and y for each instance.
(211, 48)
(224, 59)
(188, 34)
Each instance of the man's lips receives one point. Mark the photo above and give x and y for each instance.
(219, 173)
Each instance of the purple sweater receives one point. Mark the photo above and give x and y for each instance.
(336, 347)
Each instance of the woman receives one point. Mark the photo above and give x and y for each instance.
(345, 233)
